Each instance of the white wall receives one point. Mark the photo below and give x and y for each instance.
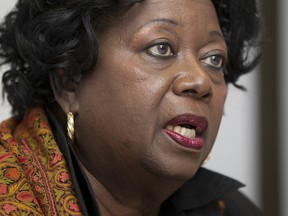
(235, 151)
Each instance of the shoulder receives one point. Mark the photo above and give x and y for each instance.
(237, 204)
(210, 193)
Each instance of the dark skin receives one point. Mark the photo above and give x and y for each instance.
(162, 59)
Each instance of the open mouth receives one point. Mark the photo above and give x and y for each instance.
(187, 131)
(184, 130)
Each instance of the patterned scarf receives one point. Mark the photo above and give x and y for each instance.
(34, 177)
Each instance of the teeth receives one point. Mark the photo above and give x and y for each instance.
(177, 129)
(186, 132)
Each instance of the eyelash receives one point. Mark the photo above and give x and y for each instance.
(156, 46)
(222, 63)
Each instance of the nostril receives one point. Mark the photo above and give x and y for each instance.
(195, 92)
(190, 91)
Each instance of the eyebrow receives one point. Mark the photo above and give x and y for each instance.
(158, 21)
(216, 34)
(174, 23)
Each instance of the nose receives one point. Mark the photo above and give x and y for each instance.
(192, 80)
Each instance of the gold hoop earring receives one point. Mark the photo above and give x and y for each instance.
(70, 125)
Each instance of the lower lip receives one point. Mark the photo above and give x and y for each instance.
(196, 143)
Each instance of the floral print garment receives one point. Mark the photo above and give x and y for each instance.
(34, 177)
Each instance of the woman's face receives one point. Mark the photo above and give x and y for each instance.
(154, 102)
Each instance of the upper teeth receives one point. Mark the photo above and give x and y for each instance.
(186, 132)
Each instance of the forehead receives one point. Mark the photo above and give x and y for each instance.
(184, 13)
(189, 20)
(181, 10)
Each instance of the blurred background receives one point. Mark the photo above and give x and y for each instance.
(237, 151)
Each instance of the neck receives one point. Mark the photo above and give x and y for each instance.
(134, 200)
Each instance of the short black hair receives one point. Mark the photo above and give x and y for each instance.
(42, 36)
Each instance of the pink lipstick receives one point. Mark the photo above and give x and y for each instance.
(187, 131)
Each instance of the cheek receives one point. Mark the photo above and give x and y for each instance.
(217, 111)
(117, 106)
(221, 102)
(220, 98)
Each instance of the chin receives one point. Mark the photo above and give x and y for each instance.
(172, 169)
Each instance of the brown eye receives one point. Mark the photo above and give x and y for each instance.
(216, 61)
(161, 50)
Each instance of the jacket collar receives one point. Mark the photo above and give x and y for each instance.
(203, 188)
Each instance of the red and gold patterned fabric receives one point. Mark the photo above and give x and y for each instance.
(34, 177)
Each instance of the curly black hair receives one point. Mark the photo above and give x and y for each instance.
(42, 36)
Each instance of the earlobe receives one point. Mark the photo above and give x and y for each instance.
(65, 91)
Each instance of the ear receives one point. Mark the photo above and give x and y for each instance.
(65, 90)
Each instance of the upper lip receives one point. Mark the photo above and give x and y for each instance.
(199, 123)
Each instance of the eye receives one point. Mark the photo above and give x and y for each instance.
(216, 61)
(161, 50)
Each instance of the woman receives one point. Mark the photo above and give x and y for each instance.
(140, 87)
